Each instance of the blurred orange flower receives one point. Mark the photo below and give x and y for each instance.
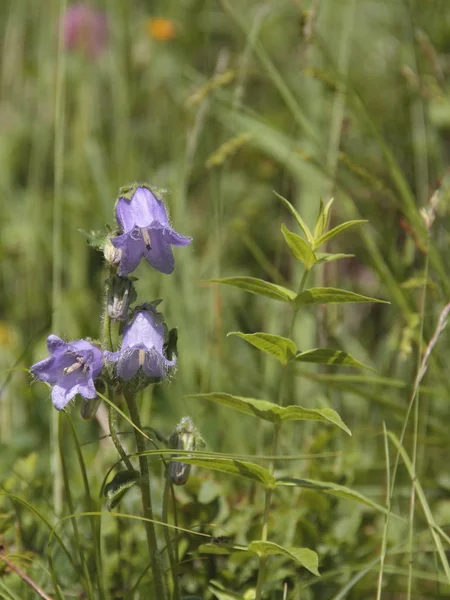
(160, 29)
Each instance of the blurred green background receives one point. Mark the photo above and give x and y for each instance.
(223, 102)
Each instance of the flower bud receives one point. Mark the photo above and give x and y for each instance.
(112, 255)
(185, 437)
(121, 294)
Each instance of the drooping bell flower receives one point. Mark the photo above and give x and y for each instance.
(146, 232)
(144, 348)
(70, 369)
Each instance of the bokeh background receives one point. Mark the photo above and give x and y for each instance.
(223, 102)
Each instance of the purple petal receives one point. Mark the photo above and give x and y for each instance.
(44, 370)
(160, 256)
(142, 210)
(176, 239)
(156, 365)
(56, 345)
(143, 332)
(128, 364)
(132, 251)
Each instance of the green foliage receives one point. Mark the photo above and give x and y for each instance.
(345, 99)
(270, 411)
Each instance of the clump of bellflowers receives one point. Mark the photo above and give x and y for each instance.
(143, 351)
(136, 347)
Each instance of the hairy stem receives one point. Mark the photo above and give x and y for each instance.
(276, 437)
(112, 421)
(159, 588)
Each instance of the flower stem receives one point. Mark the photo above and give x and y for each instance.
(171, 547)
(112, 414)
(159, 588)
(106, 333)
(276, 437)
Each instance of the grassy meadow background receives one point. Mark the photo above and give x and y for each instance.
(223, 103)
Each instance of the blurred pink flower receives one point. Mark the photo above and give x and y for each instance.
(85, 29)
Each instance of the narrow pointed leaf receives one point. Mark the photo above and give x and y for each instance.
(300, 221)
(331, 488)
(272, 412)
(327, 356)
(300, 249)
(336, 231)
(331, 295)
(121, 483)
(280, 347)
(259, 287)
(322, 218)
(304, 556)
(327, 257)
(230, 466)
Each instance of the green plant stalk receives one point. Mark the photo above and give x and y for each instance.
(95, 523)
(57, 247)
(276, 437)
(173, 556)
(112, 422)
(416, 431)
(106, 321)
(158, 582)
(87, 584)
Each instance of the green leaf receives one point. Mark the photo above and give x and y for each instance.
(304, 556)
(272, 412)
(259, 287)
(300, 249)
(214, 549)
(280, 347)
(326, 356)
(300, 221)
(336, 231)
(240, 468)
(331, 488)
(119, 486)
(327, 257)
(331, 295)
(322, 218)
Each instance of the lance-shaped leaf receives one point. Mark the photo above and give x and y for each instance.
(322, 218)
(240, 468)
(328, 235)
(272, 412)
(327, 257)
(300, 221)
(119, 486)
(304, 556)
(300, 249)
(327, 356)
(331, 488)
(259, 287)
(280, 347)
(329, 295)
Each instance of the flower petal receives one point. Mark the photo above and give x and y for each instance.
(133, 250)
(128, 364)
(142, 210)
(144, 332)
(160, 256)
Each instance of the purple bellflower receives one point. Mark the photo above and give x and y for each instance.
(146, 232)
(71, 369)
(143, 347)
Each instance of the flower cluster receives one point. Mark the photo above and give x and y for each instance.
(147, 351)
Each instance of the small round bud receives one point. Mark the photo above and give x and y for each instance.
(185, 437)
(112, 255)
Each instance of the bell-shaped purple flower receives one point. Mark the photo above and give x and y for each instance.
(71, 369)
(143, 347)
(146, 232)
